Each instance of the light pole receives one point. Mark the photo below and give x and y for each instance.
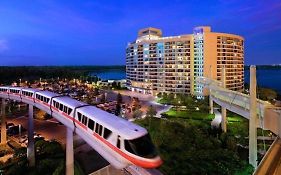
(19, 132)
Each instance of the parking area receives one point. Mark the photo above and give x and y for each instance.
(49, 129)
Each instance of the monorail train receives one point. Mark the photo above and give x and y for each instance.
(119, 141)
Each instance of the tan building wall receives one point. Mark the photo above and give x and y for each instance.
(156, 64)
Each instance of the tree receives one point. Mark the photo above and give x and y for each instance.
(136, 103)
(60, 168)
(96, 92)
(137, 113)
(20, 153)
(164, 96)
(118, 105)
(114, 84)
(102, 99)
(170, 96)
(159, 95)
(266, 94)
(48, 147)
(117, 109)
(119, 99)
(151, 112)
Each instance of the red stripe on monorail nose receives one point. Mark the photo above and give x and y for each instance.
(141, 163)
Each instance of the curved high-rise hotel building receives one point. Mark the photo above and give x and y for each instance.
(157, 64)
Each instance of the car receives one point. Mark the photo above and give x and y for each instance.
(14, 130)
(22, 140)
(36, 137)
(8, 125)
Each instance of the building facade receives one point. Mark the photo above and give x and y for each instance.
(157, 64)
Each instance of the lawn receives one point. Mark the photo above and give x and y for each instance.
(172, 113)
(231, 117)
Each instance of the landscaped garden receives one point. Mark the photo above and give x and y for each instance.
(189, 145)
(194, 148)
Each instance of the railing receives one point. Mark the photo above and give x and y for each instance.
(272, 155)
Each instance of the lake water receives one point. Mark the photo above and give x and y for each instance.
(110, 74)
(270, 78)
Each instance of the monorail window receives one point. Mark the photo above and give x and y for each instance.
(79, 115)
(14, 91)
(106, 133)
(97, 128)
(91, 124)
(45, 99)
(100, 130)
(61, 107)
(3, 90)
(69, 111)
(84, 120)
(141, 146)
(65, 109)
(118, 142)
(27, 93)
(57, 105)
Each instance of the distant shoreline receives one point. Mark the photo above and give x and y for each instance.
(93, 67)
(265, 67)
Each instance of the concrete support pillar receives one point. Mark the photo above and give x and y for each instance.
(279, 125)
(223, 109)
(253, 118)
(211, 104)
(69, 152)
(30, 146)
(3, 122)
(223, 119)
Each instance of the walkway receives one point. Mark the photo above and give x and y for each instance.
(217, 120)
(271, 163)
(165, 109)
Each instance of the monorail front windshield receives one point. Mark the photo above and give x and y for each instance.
(141, 146)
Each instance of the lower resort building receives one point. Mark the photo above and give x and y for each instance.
(157, 64)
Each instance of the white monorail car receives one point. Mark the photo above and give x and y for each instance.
(119, 141)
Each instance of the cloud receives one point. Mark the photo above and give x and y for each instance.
(3, 45)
